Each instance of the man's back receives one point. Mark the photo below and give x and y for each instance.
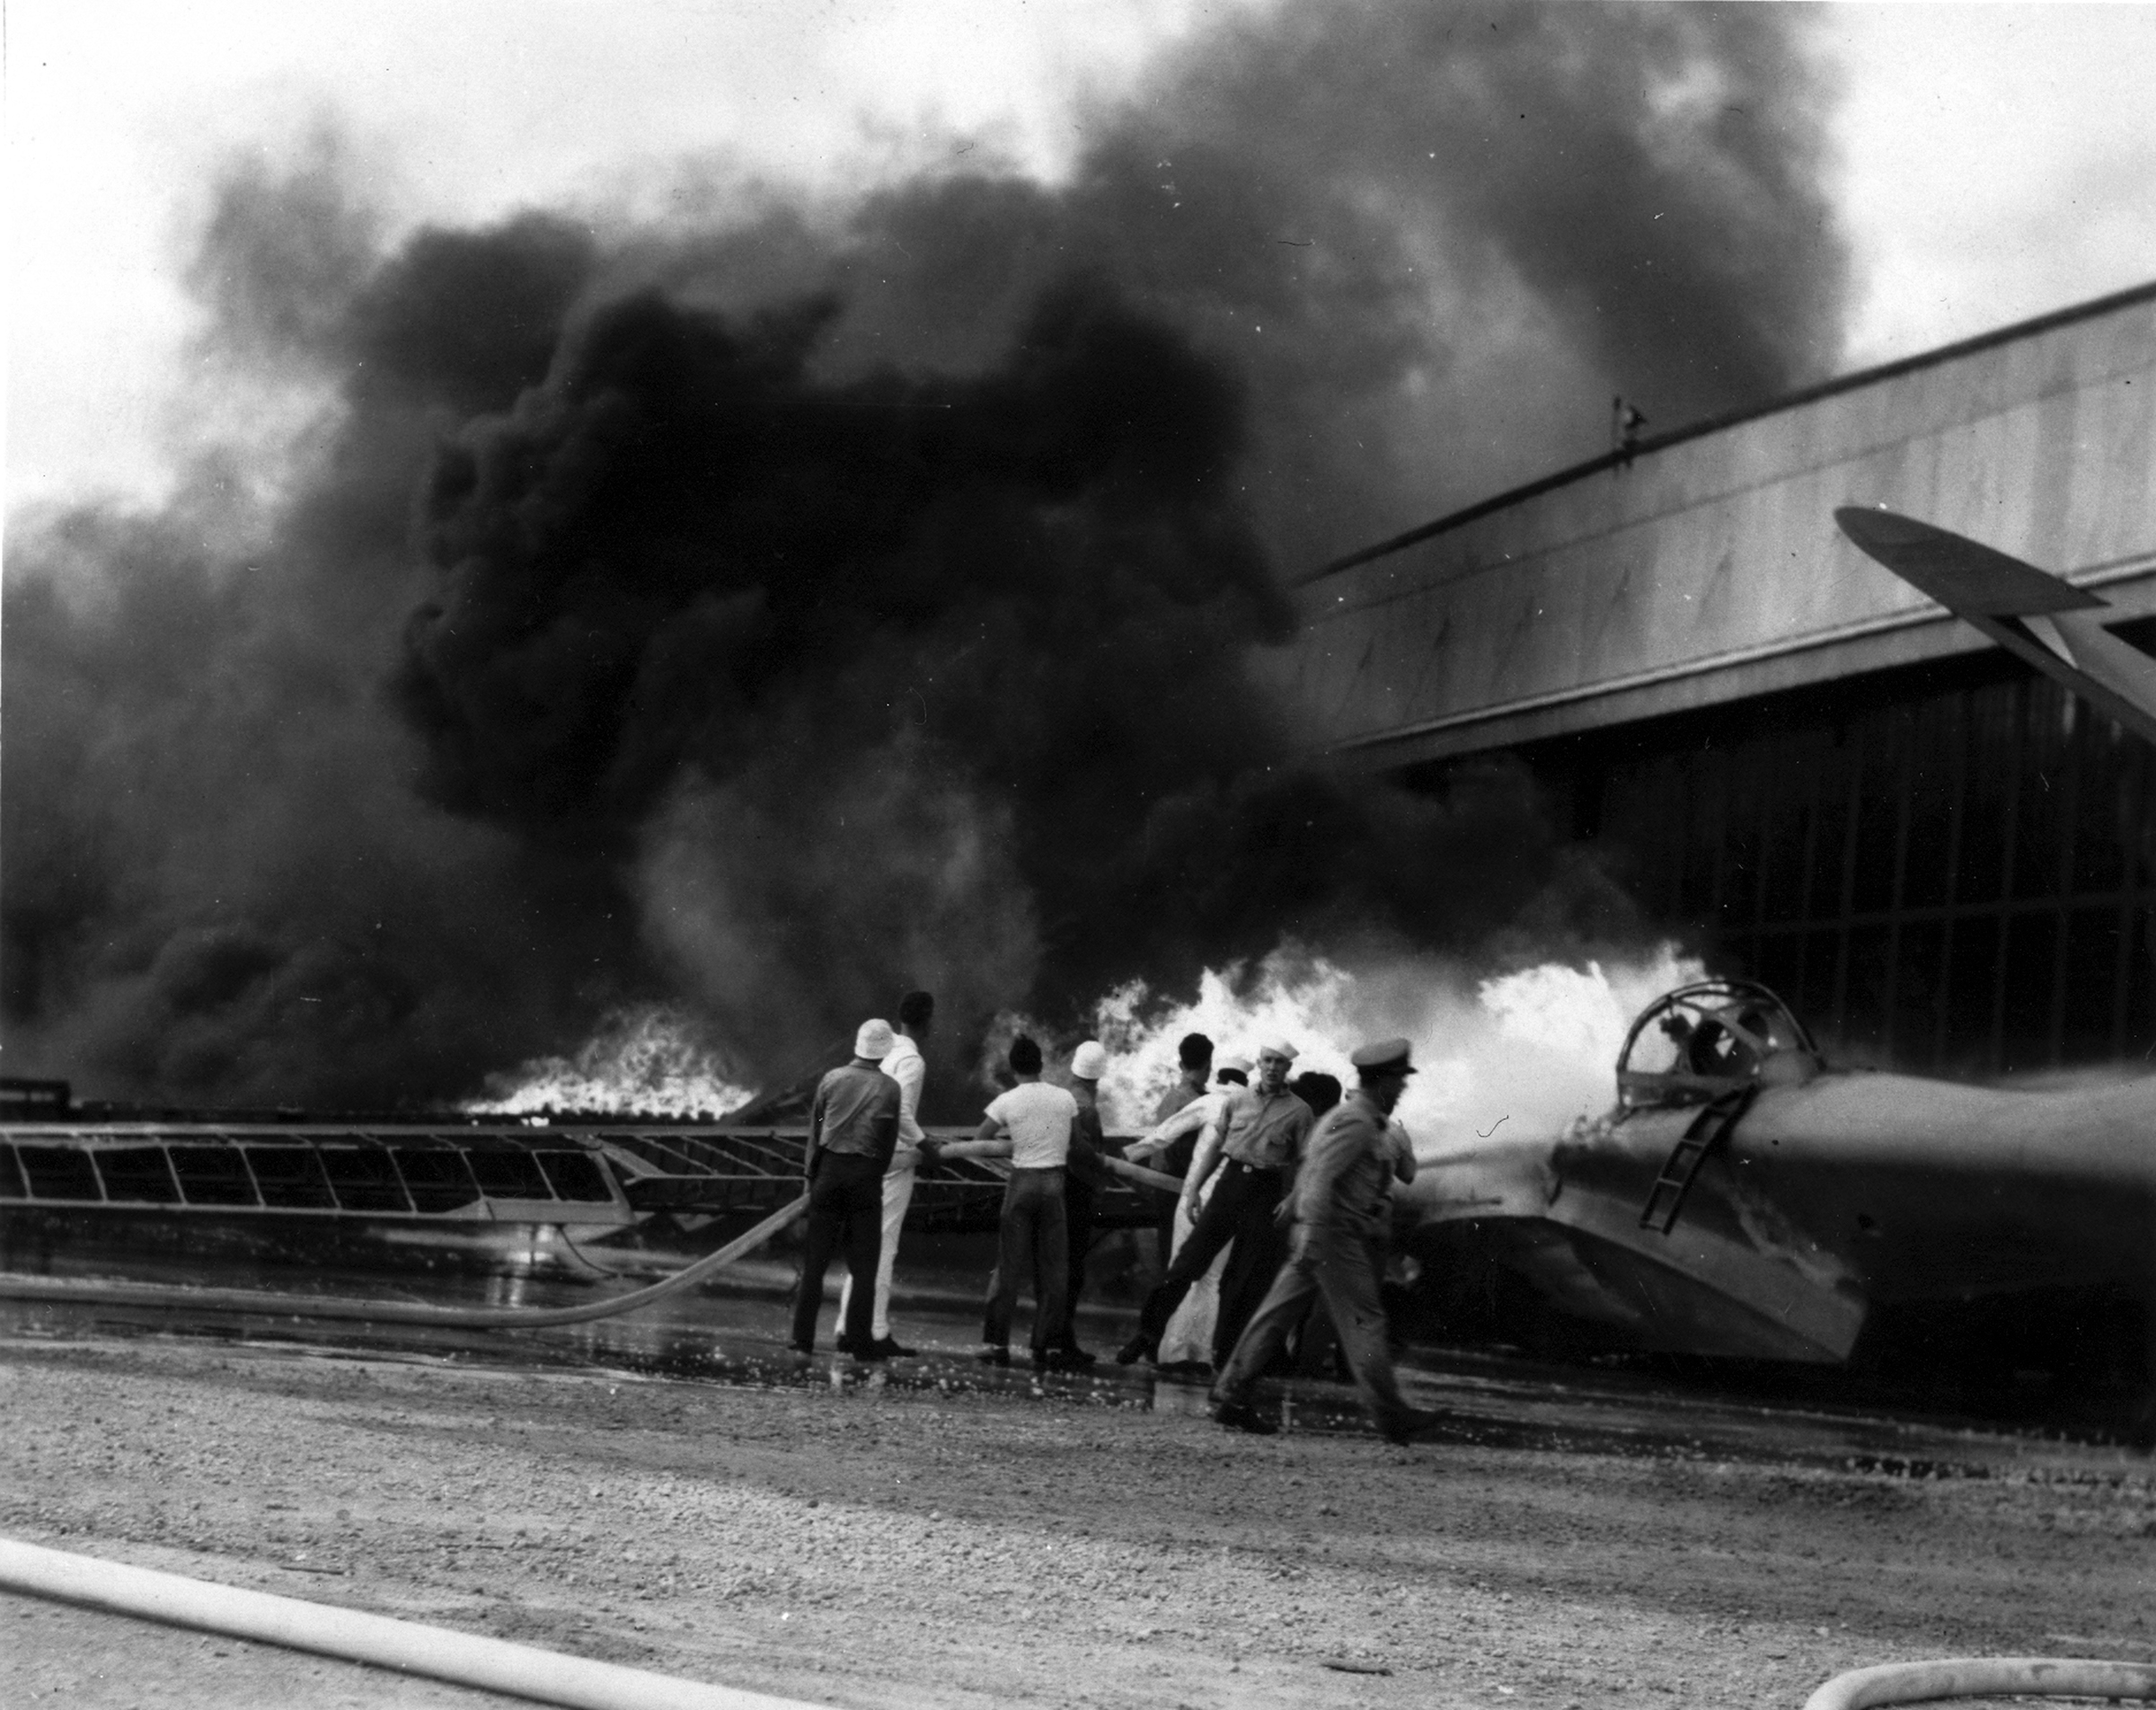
(1347, 1174)
(856, 1112)
(1040, 1118)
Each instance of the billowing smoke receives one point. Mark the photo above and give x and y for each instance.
(766, 617)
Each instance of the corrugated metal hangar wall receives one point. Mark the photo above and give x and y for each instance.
(1783, 751)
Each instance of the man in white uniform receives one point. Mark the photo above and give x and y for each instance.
(916, 1017)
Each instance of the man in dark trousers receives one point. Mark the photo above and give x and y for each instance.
(853, 1131)
(1032, 1122)
(1084, 1178)
(1263, 1129)
(1342, 1210)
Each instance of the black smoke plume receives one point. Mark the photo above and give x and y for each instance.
(770, 616)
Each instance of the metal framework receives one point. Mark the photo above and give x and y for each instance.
(589, 1174)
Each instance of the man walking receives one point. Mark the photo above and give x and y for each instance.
(1263, 1129)
(1342, 1205)
(853, 1131)
(903, 1064)
(1033, 1122)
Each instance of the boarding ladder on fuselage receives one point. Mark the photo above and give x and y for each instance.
(1708, 1130)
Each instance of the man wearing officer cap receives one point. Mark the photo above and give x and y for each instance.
(1342, 1206)
(853, 1131)
(1263, 1129)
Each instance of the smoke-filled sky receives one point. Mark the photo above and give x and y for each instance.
(750, 509)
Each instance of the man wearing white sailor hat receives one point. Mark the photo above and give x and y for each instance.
(853, 1131)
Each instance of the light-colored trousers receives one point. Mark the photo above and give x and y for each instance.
(898, 1194)
(1342, 1266)
(1189, 1336)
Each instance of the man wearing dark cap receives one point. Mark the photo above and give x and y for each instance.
(1342, 1207)
(853, 1131)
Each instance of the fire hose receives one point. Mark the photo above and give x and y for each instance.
(302, 1305)
(411, 1647)
(1984, 1677)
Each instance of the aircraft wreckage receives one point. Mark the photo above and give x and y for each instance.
(1745, 1199)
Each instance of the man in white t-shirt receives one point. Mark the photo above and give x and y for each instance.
(1033, 1123)
(916, 1015)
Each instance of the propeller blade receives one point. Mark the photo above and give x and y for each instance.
(1966, 577)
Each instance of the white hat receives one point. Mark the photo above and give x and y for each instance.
(1240, 1065)
(1277, 1047)
(874, 1041)
(1089, 1062)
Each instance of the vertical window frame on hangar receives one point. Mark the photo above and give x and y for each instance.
(1787, 755)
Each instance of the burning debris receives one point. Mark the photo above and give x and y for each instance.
(646, 1061)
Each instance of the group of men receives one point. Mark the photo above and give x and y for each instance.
(1300, 1204)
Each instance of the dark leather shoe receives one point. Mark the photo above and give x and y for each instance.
(1076, 1359)
(804, 1349)
(889, 1348)
(1139, 1347)
(1237, 1415)
(872, 1355)
(1411, 1424)
(842, 1342)
(993, 1356)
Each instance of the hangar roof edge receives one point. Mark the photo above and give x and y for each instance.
(1714, 424)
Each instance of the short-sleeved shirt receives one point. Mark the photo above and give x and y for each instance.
(1346, 1177)
(1265, 1133)
(855, 1112)
(1040, 1118)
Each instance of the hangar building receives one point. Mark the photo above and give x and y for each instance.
(1944, 860)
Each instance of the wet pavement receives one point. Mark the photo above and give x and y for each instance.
(734, 1333)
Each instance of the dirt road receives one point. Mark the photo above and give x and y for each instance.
(950, 1546)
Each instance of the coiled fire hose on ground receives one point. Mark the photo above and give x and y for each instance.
(409, 1647)
(1984, 1677)
(302, 1305)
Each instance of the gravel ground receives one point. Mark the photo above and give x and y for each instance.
(911, 1546)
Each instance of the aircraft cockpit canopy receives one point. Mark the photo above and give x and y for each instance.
(1708, 1037)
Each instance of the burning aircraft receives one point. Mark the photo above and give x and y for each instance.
(1746, 1198)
